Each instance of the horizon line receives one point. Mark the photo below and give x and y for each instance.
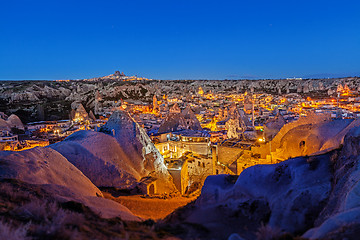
(191, 79)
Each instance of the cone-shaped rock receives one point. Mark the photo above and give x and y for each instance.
(137, 145)
(14, 122)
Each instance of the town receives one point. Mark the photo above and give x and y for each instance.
(205, 131)
(235, 120)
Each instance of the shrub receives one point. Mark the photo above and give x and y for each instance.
(9, 232)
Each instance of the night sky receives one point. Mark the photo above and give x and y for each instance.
(179, 39)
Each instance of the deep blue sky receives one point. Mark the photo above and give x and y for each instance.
(60, 39)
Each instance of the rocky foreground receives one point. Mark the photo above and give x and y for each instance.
(315, 197)
(53, 192)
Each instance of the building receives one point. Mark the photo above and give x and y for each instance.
(175, 144)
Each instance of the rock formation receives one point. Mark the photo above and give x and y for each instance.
(4, 126)
(80, 114)
(309, 135)
(92, 116)
(55, 174)
(190, 120)
(119, 156)
(314, 197)
(236, 122)
(175, 109)
(100, 157)
(156, 108)
(14, 122)
(273, 126)
(137, 145)
(177, 120)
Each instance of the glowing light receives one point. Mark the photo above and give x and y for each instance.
(201, 92)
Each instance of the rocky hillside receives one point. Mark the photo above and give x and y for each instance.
(39, 100)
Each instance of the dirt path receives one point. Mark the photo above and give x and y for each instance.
(150, 207)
